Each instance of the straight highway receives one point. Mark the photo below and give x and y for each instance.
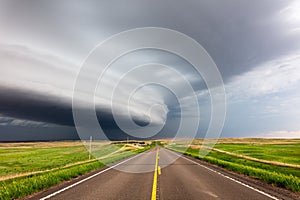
(157, 174)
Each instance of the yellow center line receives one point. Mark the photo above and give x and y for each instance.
(156, 170)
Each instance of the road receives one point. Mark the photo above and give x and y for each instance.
(157, 174)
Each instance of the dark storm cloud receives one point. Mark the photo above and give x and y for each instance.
(39, 107)
(28, 105)
(18, 133)
(34, 106)
(239, 36)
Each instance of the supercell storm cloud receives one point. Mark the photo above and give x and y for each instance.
(43, 44)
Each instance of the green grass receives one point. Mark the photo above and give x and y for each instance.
(46, 156)
(20, 160)
(285, 177)
(21, 187)
(57, 157)
(285, 153)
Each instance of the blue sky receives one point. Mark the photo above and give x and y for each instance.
(255, 45)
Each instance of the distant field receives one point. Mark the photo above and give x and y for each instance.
(21, 157)
(26, 168)
(284, 153)
(259, 158)
(277, 150)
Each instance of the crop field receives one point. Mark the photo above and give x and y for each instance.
(26, 168)
(275, 161)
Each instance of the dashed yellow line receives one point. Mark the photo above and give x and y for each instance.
(157, 170)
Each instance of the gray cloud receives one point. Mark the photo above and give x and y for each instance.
(43, 44)
(237, 34)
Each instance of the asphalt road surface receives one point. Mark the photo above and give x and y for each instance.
(157, 174)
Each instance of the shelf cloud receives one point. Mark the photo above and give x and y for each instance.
(255, 45)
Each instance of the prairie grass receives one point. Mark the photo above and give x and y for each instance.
(285, 177)
(284, 153)
(55, 164)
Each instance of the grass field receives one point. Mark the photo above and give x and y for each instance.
(20, 158)
(284, 153)
(26, 168)
(277, 151)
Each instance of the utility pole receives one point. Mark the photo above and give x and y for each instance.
(90, 151)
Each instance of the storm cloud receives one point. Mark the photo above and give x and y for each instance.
(256, 46)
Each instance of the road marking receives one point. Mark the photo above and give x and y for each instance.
(92, 176)
(154, 187)
(225, 176)
(211, 194)
(158, 169)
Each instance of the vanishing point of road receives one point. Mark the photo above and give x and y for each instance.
(157, 174)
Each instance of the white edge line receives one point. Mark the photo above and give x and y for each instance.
(225, 176)
(92, 176)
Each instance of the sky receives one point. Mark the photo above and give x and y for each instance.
(255, 45)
